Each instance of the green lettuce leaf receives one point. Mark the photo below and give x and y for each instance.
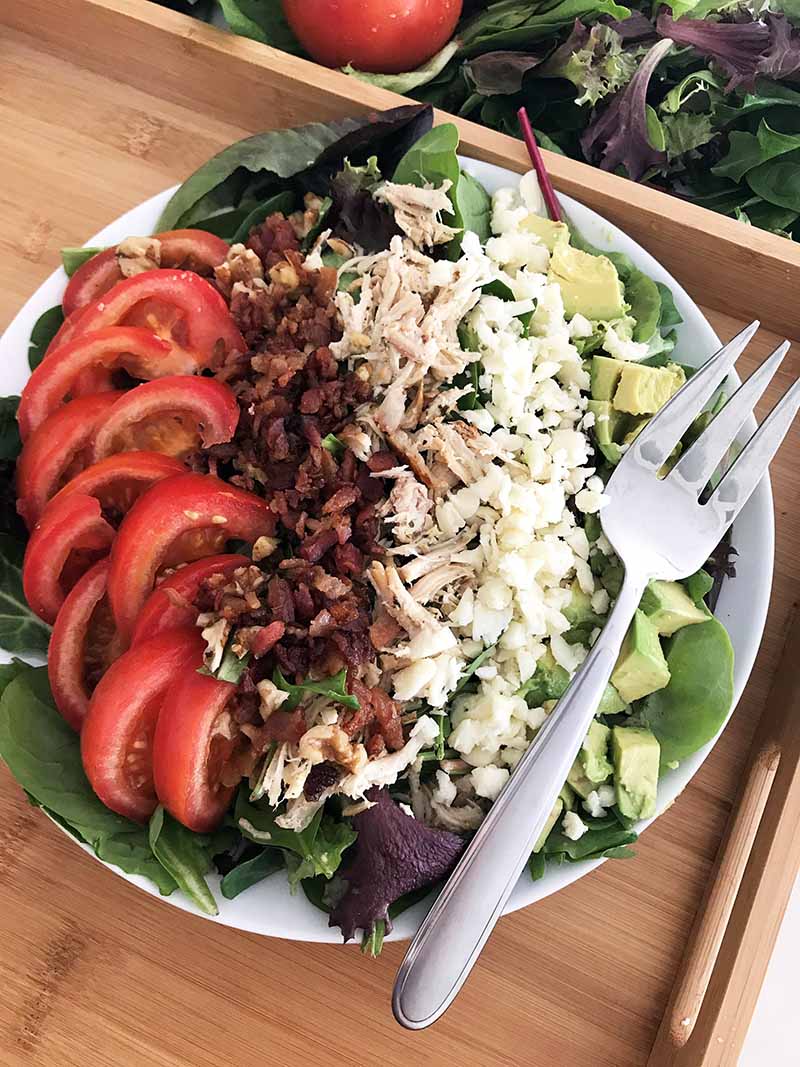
(185, 855)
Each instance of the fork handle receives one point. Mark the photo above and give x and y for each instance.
(451, 937)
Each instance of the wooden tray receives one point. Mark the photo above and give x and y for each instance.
(103, 103)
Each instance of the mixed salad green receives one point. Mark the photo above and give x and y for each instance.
(485, 576)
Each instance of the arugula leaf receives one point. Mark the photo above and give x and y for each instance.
(185, 855)
(231, 667)
(261, 20)
(10, 444)
(471, 667)
(334, 688)
(251, 872)
(44, 330)
(282, 202)
(332, 443)
(20, 629)
(262, 164)
(72, 258)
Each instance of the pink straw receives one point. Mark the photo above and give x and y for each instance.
(553, 209)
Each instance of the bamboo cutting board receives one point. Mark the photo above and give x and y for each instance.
(95, 973)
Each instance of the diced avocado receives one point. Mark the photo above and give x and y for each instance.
(605, 374)
(548, 682)
(593, 756)
(589, 284)
(558, 807)
(567, 797)
(636, 758)
(608, 424)
(611, 703)
(549, 233)
(669, 607)
(578, 780)
(579, 609)
(635, 427)
(641, 667)
(644, 390)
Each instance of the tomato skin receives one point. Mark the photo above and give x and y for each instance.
(182, 750)
(57, 447)
(178, 520)
(122, 716)
(49, 570)
(208, 332)
(171, 415)
(120, 480)
(66, 656)
(191, 249)
(171, 604)
(383, 36)
(137, 350)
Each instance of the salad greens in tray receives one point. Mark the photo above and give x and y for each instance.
(312, 483)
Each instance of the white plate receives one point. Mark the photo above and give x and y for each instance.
(270, 909)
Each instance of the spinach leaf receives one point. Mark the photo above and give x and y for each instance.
(131, 852)
(334, 688)
(431, 160)
(670, 316)
(10, 444)
(9, 671)
(644, 298)
(261, 165)
(536, 865)
(693, 707)
(44, 330)
(604, 838)
(698, 586)
(747, 151)
(282, 202)
(185, 855)
(261, 20)
(473, 212)
(251, 872)
(72, 258)
(778, 181)
(20, 629)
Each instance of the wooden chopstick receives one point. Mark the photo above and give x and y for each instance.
(548, 192)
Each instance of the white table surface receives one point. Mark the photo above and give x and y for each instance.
(772, 1038)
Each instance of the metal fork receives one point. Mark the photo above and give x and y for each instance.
(659, 529)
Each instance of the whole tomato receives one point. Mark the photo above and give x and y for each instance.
(382, 36)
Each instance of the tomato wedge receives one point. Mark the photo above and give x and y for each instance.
(57, 451)
(70, 536)
(117, 734)
(191, 746)
(178, 520)
(120, 480)
(136, 350)
(189, 249)
(180, 306)
(172, 602)
(82, 646)
(172, 415)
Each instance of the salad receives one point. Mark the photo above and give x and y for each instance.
(312, 482)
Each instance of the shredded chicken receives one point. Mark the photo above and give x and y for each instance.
(138, 254)
(407, 508)
(448, 574)
(418, 211)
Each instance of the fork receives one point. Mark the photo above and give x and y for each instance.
(661, 529)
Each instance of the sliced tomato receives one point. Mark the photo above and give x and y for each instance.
(173, 415)
(117, 734)
(56, 451)
(181, 307)
(179, 520)
(120, 480)
(136, 350)
(194, 250)
(82, 646)
(70, 536)
(172, 602)
(194, 739)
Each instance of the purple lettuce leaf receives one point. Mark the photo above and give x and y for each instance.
(782, 57)
(394, 854)
(494, 73)
(637, 27)
(594, 61)
(736, 47)
(618, 136)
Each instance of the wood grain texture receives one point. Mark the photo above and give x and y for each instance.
(95, 973)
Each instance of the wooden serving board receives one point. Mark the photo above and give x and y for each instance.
(102, 104)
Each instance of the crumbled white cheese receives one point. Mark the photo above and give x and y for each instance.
(445, 790)
(488, 781)
(573, 825)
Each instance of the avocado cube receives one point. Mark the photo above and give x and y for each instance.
(641, 667)
(611, 703)
(549, 233)
(579, 609)
(669, 607)
(644, 390)
(605, 374)
(557, 808)
(636, 755)
(577, 782)
(593, 756)
(589, 284)
(609, 428)
(567, 797)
